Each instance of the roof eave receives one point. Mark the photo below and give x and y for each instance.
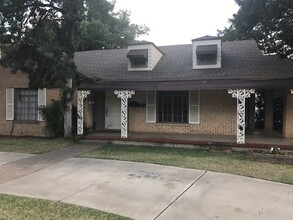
(190, 84)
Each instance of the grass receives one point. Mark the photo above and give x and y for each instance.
(19, 208)
(32, 145)
(234, 163)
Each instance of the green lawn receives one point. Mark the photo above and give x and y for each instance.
(234, 163)
(32, 145)
(20, 208)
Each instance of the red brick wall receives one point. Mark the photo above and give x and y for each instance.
(19, 80)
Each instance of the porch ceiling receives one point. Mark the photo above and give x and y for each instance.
(190, 84)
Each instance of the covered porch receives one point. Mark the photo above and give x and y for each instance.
(213, 113)
(263, 139)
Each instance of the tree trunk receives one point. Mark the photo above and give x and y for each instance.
(68, 113)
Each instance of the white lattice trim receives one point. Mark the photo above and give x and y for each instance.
(124, 95)
(241, 95)
(81, 95)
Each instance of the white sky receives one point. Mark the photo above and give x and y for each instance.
(180, 21)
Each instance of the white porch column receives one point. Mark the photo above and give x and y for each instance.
(241, 95)
(124, 95)
(81, 95)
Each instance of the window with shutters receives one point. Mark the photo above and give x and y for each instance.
(173, 106)
(26, 104)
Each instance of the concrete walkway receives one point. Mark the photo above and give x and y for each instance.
(16, 165)
(149, 191)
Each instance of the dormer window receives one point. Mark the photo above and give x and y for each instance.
(143, 56)
(138, 58)
(207, 52)
(206, 55)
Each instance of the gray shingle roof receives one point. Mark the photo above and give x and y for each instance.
(240, 60)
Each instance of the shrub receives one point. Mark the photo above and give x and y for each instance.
(53, 115)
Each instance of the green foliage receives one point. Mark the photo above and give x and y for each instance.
(115, 32)
(54, 117)
(40, 36)
(269, 22)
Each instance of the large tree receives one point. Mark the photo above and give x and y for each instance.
(117, 32)
(269, 22)
(41, 36)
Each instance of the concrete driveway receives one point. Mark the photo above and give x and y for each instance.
(148, 191)
(6, 157)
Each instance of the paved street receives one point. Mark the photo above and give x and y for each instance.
(148, 191)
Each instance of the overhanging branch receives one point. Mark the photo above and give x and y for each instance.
(35, 4)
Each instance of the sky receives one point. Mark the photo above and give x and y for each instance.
(180, 21)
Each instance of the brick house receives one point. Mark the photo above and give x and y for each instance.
(207, 87)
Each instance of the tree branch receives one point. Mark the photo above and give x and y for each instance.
(38, 4)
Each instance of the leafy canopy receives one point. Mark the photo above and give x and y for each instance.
(40, 36)
(269, 22)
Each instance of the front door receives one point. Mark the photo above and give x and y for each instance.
(112, 111)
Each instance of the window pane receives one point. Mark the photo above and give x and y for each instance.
(173, 106)
(26, 104)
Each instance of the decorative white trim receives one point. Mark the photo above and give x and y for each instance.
(124, 95)
(81, 95)
(241, 95)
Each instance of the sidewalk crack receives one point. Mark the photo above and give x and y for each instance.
(82, 190)
(181, 194)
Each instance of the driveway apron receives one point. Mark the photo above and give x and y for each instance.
(149, 191)
(27, 165)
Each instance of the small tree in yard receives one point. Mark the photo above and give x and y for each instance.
(41, 36)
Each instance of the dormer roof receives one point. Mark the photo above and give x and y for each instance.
(207, 37)
(140, 42)
(144, 42)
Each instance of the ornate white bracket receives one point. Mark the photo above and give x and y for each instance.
(291, 90)
(241, 95)
(124, 95)
(81, 95)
